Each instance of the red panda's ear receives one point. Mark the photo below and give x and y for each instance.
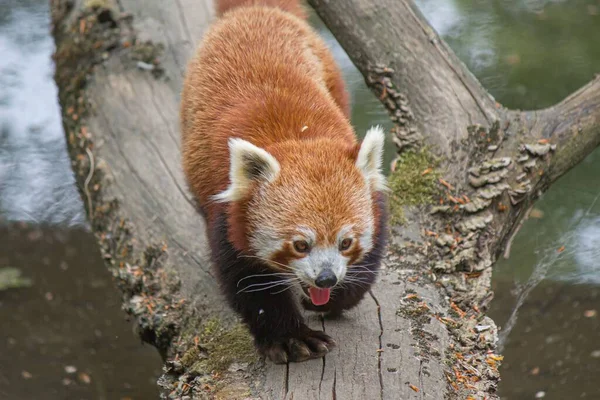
(248, 164)
(370, 158)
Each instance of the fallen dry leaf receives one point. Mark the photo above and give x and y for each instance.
(449, 186)
(85, 378)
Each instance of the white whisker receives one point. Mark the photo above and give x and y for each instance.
(355, 281)
(261, 275)
(272, 285)
(350, 272)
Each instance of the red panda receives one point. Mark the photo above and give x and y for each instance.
(295, 206)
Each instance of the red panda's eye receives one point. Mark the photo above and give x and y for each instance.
(346, 243)
(301, 246)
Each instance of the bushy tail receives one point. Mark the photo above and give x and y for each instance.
(291, 6)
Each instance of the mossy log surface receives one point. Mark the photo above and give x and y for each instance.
(422, 333)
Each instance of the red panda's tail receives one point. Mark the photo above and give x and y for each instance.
(291, 6)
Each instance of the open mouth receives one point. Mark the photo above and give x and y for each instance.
(318, 296)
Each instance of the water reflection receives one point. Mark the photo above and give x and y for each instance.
(36, 181)
(587, 253)
(64, 335)
(528, 53)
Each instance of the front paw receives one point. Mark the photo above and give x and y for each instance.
(298, 346)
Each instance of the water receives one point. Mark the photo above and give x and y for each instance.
(36, 181)
(64, 335)
(528, 53)
(548, 293)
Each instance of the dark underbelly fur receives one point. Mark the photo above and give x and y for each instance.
(272, 314)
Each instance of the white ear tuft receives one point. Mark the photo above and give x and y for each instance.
(370, 158)
(248, 163)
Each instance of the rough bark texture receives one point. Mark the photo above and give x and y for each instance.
(422, 333)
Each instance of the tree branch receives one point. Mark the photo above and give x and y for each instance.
(444, 96)
(574, 126)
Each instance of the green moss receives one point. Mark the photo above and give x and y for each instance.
(94, 4)
(218, 347)
(147, 52)
(413, 182)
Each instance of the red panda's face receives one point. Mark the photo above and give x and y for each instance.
(310, 209)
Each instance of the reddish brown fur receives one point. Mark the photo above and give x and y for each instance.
(262, 74)
(291, 6)
(285, 255)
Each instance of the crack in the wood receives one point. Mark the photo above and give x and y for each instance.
(156, 150)
(183, 21)
(323, 368)
(380, 343)
(286, 383)
(421, 384)
(124, 157)
(333, 393)
(134, 172)
(171, 175)
(163, 117)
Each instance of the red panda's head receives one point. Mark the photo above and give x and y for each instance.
(308, 206)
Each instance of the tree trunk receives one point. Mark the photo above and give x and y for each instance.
(422, 333)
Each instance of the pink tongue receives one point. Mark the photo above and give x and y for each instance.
(319, 296)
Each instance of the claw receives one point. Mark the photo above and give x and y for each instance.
(277, 354)
(302, 346)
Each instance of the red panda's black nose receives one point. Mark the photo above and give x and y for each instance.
(326, 279)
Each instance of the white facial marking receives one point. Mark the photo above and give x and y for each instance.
(344, 233)
(366, 239)
(309, 267)
(369, 158)
(247, 163)
(265, 242)
(305, 233)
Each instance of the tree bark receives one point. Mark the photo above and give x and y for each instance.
(422, 333)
